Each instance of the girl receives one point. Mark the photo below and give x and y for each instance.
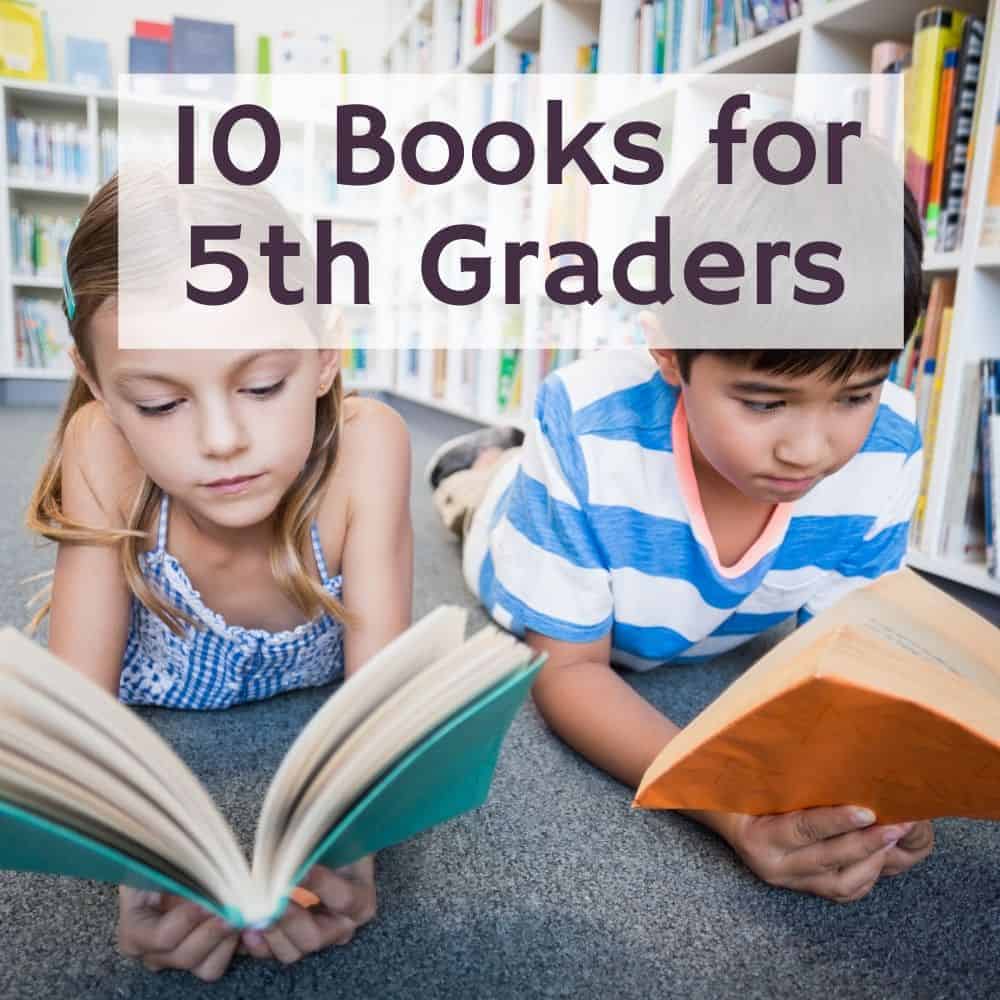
(237, 528)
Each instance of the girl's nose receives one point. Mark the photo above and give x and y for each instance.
(222, 433)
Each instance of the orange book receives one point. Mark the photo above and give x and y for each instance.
(946, 99)
(938, 29)
(890, 699)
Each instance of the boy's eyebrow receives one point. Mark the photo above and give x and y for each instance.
(783, 390)
(125, 375)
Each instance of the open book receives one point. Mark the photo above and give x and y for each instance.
(889, 699)
(88, 789)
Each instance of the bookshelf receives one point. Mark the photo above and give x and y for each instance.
(831, 36)
(94, 111)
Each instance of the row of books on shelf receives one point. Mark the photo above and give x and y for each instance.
(719, 25)
(58, 152)
(921, 368)
(41, 334)
(38, 243)
(933, 117)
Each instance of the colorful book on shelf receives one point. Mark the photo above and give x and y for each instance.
(989, 430)
(88, 789)
(946, 95)
(967, 76)
(991, 215)
(24, 53)
(897, 665)
(202, 47)
(148, 55)
(929, 433)
(161, 31)
(942, 295)
(937, 30)
(88, 63)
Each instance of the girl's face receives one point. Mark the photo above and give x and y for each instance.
(225, 432)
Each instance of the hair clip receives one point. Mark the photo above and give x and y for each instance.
(68, 292)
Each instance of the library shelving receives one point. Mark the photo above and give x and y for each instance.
(56, 188)
(829, 36)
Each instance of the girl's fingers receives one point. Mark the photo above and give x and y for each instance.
(282, 949)
(215, 965)
(198, 945)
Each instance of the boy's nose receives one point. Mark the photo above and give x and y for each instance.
(806, 450)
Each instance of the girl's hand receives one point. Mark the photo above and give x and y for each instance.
(346, 902)
(911, 850)
(834, 852)
(167, 932)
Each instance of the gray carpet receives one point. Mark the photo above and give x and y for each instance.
(554, 888)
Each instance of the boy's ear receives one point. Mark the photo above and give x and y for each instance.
(666, 361)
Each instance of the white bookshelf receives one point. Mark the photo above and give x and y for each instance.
(95, 109)
(831, 36)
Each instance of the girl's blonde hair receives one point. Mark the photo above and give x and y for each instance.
(92, 275)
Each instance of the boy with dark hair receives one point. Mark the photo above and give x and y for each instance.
(667, 506)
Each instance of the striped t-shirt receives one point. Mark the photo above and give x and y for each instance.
(599, 526)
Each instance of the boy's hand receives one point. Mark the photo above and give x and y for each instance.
(911, 849)
(346, 902)
(167, 932)
(834, 852)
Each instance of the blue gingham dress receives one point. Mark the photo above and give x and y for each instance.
(218, 665)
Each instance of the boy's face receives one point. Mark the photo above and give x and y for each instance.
(772, 437)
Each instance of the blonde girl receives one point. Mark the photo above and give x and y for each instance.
(229, 527)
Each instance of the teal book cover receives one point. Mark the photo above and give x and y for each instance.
(446, 773)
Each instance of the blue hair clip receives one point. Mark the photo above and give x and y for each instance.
(68, 292)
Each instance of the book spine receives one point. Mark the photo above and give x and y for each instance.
(988, 408)
(991, 217)
(945, 100)
(967, 76)
(659, 34)
(647, 37)
(937, 30)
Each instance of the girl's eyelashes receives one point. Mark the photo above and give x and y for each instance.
(263, 391)
(254, 392)
(158, 409)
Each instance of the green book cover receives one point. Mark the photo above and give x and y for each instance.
(446, 773)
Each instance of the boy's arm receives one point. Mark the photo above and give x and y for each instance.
(834, 852)
(603, 718)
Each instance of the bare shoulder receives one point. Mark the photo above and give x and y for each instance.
(96, 450)
(375, 437)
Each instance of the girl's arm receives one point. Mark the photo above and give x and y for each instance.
(377, 560)
(88, 626)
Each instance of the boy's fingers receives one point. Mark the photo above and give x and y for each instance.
(215, 965)
(852, 883)
(919, 838)
(839, 853)
(809, 826)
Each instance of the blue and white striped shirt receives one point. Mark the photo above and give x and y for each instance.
(599, 526)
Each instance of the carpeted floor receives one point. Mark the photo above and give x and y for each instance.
(555, 888)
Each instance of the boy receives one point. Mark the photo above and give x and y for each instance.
(668, 506)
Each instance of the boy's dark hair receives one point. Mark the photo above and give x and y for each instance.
(841, 364)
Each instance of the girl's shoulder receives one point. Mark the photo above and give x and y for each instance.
(96, 452)
(373, 456)
(368, 424)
